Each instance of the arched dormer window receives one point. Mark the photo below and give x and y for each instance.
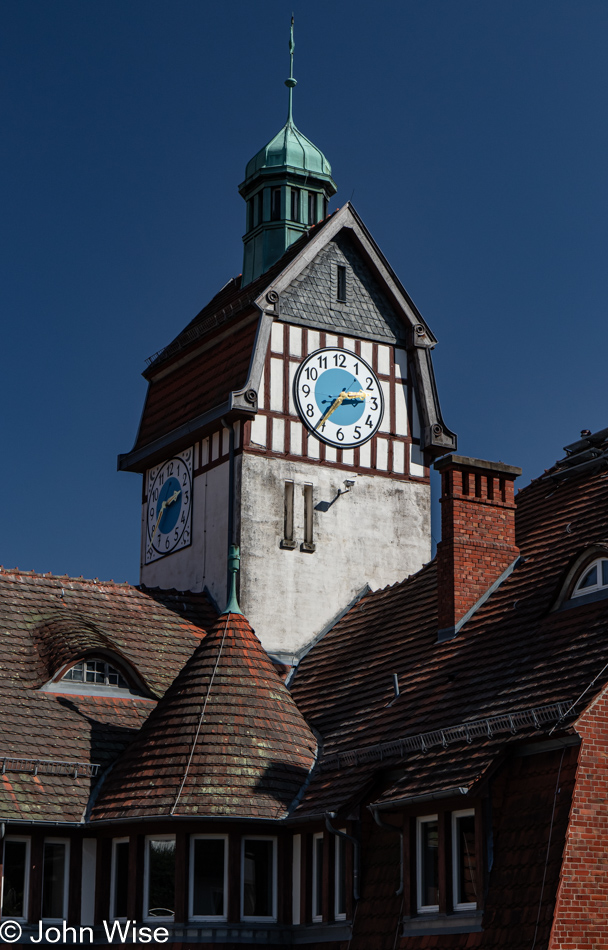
(593, 578)
(96, 671)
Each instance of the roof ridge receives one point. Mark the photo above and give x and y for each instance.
(63, 577)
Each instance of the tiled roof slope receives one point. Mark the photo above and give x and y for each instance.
(208, 378)
(227, 739)
(49, 621)
(514, 654)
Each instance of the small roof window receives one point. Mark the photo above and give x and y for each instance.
(97, 672)
(594, 578)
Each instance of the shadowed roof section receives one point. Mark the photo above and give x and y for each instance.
(226, 739)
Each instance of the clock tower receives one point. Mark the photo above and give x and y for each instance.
(296, 416)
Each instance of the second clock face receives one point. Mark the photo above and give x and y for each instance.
(169, 513)
(338, 397)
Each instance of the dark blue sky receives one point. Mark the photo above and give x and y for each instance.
(471, 138)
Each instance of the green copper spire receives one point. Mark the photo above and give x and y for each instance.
(291, 82)
(234, 563)
(287, 188)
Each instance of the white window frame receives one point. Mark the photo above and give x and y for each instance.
(66, 878)
(423, 908)
(459, 905)
(596, 587)
(339, 843)
(317, 872)
(26, 881)
(115, 841)
(274, 875)
(146, 907)
(191, 915)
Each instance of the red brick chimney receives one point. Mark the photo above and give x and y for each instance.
(477, 534)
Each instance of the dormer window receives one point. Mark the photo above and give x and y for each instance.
(96, 672)
(593, 578)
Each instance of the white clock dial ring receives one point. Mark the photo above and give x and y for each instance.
(338, 397)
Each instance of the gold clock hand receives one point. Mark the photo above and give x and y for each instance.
(165, 504)
(334, 406)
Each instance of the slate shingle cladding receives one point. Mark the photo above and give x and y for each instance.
(311, 298)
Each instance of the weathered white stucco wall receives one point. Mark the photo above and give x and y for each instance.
(376, 534)
(204, 563)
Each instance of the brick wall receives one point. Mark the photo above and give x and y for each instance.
(477, 532)
(581, 912)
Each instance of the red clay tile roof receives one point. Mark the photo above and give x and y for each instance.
(514, 654)
(48, 622)
(227, 728)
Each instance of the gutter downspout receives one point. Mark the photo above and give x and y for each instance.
(231, 540)
(355, 844)
(388, 827)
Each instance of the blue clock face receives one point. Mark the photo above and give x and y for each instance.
(338, 397)
(169, 512)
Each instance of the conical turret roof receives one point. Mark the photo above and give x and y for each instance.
(226, 739)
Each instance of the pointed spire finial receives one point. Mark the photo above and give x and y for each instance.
(291, 82)
(234, 562)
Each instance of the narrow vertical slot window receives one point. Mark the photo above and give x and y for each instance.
(250, 224)
(119, 883)
(312, 207)
(159, 875)
(427, 861)
(275, 204)
(341, 283)
(258, 879)
(295, 204)
(464, 863)
(308, 543)
(288, 526)
(208, 877)
(340, 878)
(15, 878)
(55, 879)
(317, 877)
(257, 209)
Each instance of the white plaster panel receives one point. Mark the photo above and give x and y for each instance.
(367, 351)
(295, 438)
(196, 455)
(384, 359)
(385, 425)
(215, 446)
(365, 455)
(416, 461)
(276, 385)
(330, 453)
(313, 340)
(278, 435)
(382, 454)
(398, 457)
(400, 363)
(349, 344)
(348, 456)
(205, 451)
(258, 429)
(203, 563)
(400, 409)
(292, 596)
(295, 341)
(237, 433)
(225, 441)
(293, 368)
(331, 340)
(276, 338)
(312, 447)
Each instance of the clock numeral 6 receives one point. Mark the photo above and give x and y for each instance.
(340, 435)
